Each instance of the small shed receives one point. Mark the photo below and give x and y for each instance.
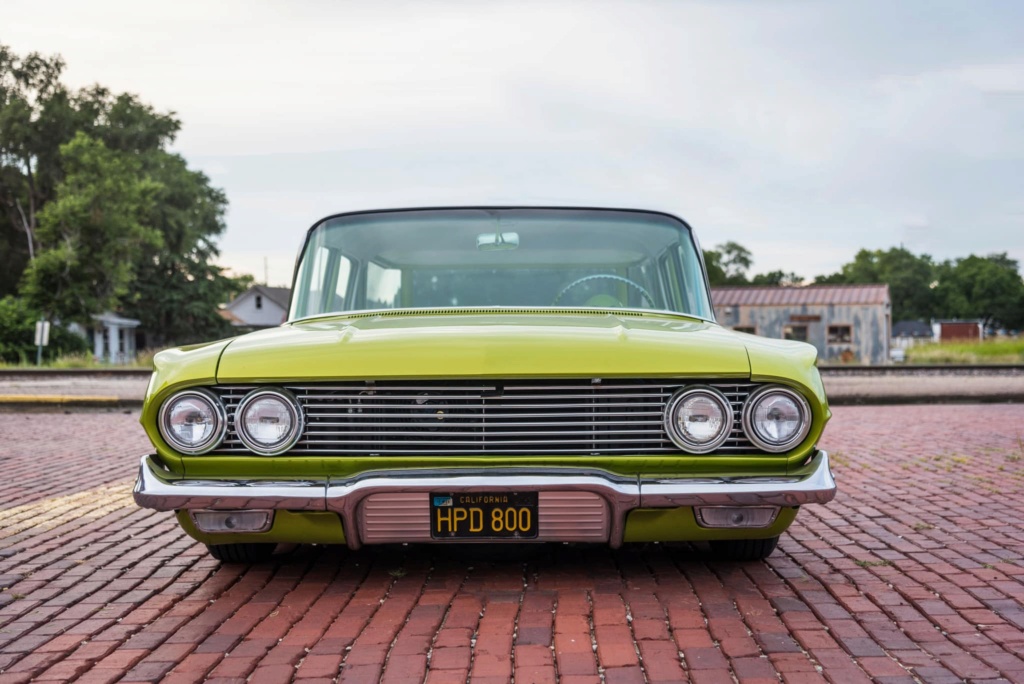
(258, 307)
(906, 334)
(846, 323)
(958, 331)
(113, 338)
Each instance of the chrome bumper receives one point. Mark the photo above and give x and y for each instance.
(154, 489)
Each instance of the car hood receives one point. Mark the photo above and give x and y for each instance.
(505, 344)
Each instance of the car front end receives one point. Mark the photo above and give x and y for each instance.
(489, 375)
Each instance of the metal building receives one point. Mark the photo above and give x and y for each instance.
(846, 323)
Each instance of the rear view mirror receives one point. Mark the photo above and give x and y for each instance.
(492, 242)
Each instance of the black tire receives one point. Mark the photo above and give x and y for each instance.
(241, 553)
(744, 549)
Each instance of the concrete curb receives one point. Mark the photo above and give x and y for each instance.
(901, 399)
(10, 403)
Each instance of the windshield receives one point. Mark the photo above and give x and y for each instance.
(434, 258)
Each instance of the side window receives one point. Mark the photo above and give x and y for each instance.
(383, 287)
(670, 275)
(343, 273)
(749, 329)
(795, 332)
(839, 334)
(314, 270)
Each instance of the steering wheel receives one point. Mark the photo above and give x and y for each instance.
(604, 276)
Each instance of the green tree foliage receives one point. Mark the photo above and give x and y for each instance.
(94, 233)
(989, 288)
(177, 283)
(35, 119)
(909, 278)
(788, 279)
(173, 214)
(18, 331)
(728, 264)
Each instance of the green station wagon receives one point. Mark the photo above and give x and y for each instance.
(489, 374)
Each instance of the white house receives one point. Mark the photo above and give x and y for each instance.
(113, 338)
(258, 307)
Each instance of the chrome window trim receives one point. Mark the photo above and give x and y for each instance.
(677, 437)
(220, 413)
(294, 433)
(748, 411)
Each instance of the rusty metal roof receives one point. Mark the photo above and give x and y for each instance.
(795, 296)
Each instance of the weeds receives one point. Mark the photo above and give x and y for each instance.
(987, 351)
(873, 564)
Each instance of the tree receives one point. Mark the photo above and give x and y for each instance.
(92, 234)
(177, 281)
(18, 331)
(35, 119)
(989, 288)
(169, 282)
(909, 278)
(727, 264)
(782, 278)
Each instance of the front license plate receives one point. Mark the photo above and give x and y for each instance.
(488, 515)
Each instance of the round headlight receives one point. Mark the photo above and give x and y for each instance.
(776, 418)
(269, 421)
(698, 419)
(193, 421)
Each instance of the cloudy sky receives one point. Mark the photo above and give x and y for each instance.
(802, 130)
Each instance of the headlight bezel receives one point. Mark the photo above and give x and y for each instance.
(671, 423)
(294, 434)
(807, 417)
(219, 414)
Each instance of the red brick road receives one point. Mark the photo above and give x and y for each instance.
(914, 573)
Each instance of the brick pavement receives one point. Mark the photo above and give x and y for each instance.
(914, 573)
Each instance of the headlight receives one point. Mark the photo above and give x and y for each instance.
(776, 418)
(269, 421)
(193, 421)
(698, 419)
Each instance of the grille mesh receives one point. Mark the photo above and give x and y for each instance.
(574, 417)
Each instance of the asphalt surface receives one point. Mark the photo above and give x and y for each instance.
(915, 573)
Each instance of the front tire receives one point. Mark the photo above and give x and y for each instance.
(744, 549)
(241, 553)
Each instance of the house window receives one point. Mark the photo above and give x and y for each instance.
(795, 332)
(840, 334)
(745, 329)
(259, 302)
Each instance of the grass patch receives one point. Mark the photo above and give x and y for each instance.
(922, 526)
(986, 351)
(86, 360)
(838, 458)
(873, 564)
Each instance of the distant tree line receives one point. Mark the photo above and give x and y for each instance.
(988, 288)
(96, 214)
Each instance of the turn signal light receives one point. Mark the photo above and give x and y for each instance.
(736, 516)
(233, 521)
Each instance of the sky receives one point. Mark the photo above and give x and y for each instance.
(803, 130)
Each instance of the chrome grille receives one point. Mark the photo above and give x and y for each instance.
(584, 417)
